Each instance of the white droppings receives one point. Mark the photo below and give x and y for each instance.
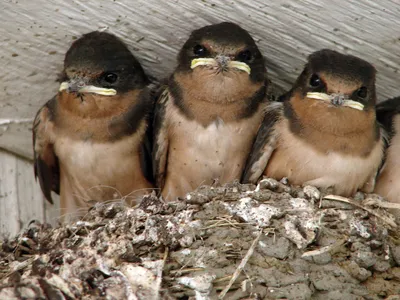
(61, 284)
(201, 296)
(311, 192)
(186, 251)
(249, 210)
(311, 224)
(170, 225)
(300, 203)
(195, 224)
(201, 283)
(360, 228)
(138, 275)
(270, 183)
(342, 215)
(294, 235)
(84, 223)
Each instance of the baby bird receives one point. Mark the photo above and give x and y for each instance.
(208, 115)
(90, 140)
(387, 185)
(324, 132)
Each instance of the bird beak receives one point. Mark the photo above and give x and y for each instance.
(202, 62)
(240, 66)
(221, 61)
(78, 86)
(336, 100)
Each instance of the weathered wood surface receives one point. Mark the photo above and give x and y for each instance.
(21, 200)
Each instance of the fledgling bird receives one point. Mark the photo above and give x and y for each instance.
(325, 132)
(207, 117)
(90, 141)
(387, 185)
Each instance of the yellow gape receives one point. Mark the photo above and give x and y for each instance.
(90, 89)
(328, 98)
(212, 62)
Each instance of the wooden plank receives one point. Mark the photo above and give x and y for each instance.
(21, 199)
(52, 211)
(30, 199)
(17, 138)
(9, 211)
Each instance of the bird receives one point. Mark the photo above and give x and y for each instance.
(388, 114)
(91, 141)
(209, 110)
(323, 132)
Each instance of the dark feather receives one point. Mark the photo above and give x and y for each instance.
(146, 160)
(160, 141)
(258, 160)
(46, 165)
(385, 111)
(145, 156)
(285, 97)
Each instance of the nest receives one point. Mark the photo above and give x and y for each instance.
(270, 241)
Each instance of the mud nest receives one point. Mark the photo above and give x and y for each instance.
(270, 241)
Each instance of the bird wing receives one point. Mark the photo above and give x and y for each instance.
(146, 146)
(385, 111)
(264, 145)
(160, 140)
(46, 165)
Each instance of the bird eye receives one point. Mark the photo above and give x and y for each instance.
(315, 81)
(362, 92)
(244, 56)
(110, 77)
(200, 50)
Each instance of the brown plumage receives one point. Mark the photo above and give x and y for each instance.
(90, 141)
(387, 185)
(208, 114)
(325, 132)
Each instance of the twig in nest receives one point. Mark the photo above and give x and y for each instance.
(225, 278)
(372, 212)
(224, 222)
(218, 224)
(241, 266)
(382, 204)
(20, 266)
(229, 220)
(330, 248)
(179, 271)
(160, 273)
